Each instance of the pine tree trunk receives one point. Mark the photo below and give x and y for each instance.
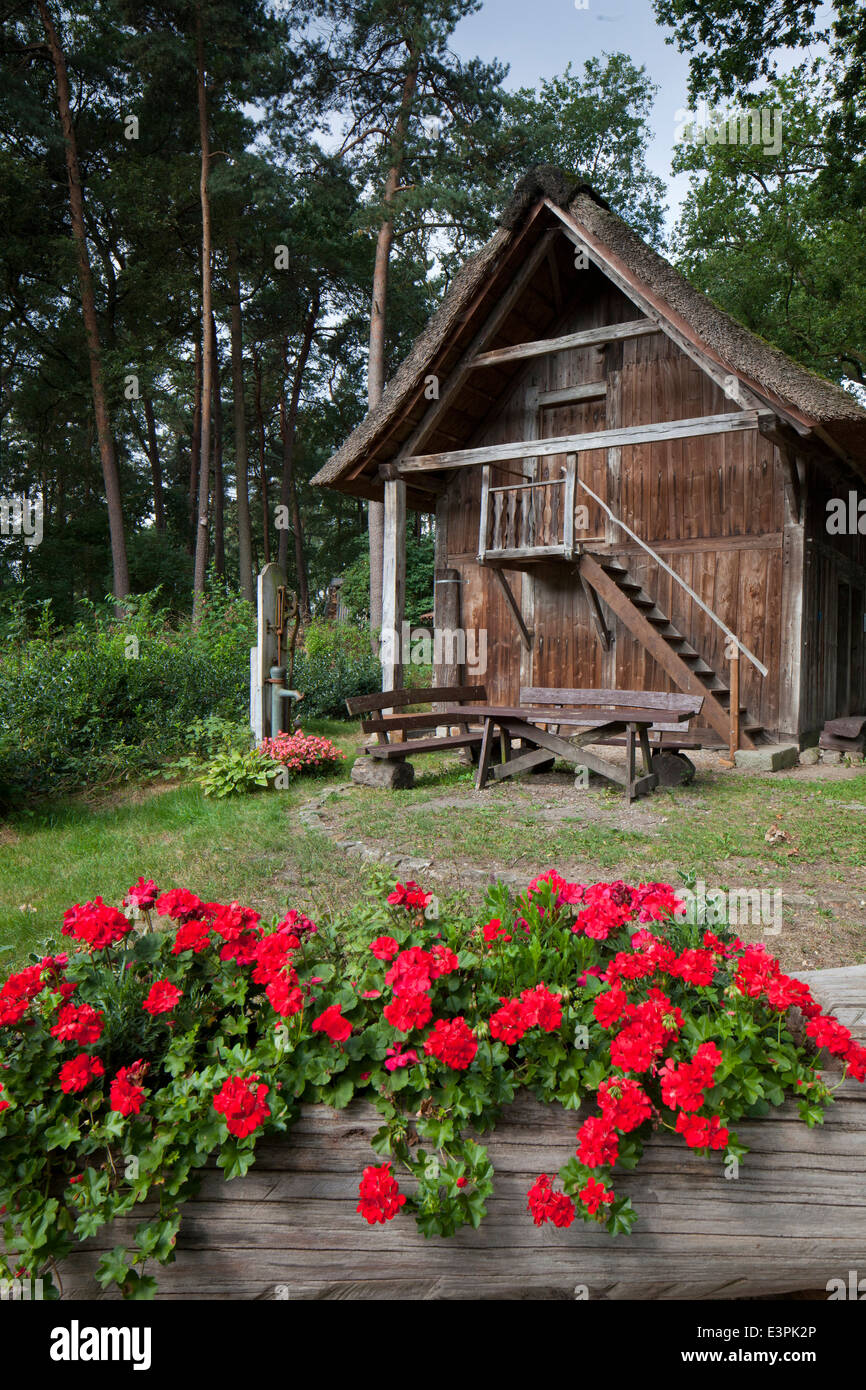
(289, 488)
(376, 359)
(219, 545)
(107, 454)
(195, 448)
(201, 536)
(263, 475)
(245, 546)
(155, 466)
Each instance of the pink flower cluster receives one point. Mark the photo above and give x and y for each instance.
(302, 752)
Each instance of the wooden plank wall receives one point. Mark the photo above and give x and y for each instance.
(713, 507)
(829, 561)
(794, 1218)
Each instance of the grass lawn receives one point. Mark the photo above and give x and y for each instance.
(254, 848)
(250, 848)
(715, 829)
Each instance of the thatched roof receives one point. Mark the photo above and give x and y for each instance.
(760, 365)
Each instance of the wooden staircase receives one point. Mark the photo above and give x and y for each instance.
(673, 652)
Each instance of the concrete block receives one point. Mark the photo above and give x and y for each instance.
(395, 774)
(772, 757)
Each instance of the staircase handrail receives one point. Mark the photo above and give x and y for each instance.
(572, 461)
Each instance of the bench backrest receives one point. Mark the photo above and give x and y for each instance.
(567, 698)
(371, 706)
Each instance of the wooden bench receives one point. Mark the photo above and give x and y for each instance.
(414, 727)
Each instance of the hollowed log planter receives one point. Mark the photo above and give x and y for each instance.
(793, 1219)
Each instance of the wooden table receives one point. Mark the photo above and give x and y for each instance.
(522, 723)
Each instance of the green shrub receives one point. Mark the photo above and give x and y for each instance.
(335, 664)
(114, 697)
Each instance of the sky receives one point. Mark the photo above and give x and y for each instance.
(538, 38)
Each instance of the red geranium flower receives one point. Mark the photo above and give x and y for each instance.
(411, 972)
(162, 997)
(409, 1011)
(95, 923)
(547, 1205)
(453, 1042)
(598, 1143)
(192, 936)
(494, 930)
(286, 997)
(398, 1057)
(78, 1074)
(333, 1023)
(179, 904)
(409, 895)
(445, 962)
(595, 1195)
(82, 1024)
(542, 1008)
(142, 894)
(510, 1022)
(384, 947)
(381, 1198)
(243, 1106)
(126, 1095)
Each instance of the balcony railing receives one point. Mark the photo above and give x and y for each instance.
(533, 519)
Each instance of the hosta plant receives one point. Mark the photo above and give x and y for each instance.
(176, 1029)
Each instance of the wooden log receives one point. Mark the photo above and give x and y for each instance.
(659, 432)
(588, 337)
(794, 1218)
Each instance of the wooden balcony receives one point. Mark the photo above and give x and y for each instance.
(530, 521)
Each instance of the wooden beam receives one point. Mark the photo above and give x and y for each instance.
(589, 337)
(458, 374)
(582, 391)
(596, 615)
(582, 443)
(393, 583)
(515, 608)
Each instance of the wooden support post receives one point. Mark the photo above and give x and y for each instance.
(393, 584)
(735, 702)
(568, 506)
(484, 525)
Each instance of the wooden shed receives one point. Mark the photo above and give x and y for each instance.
(630, 488)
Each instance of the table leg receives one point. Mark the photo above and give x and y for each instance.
(630, 769)
(645, 748)
(484, 758)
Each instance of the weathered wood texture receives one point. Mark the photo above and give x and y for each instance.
(713, 506)
(793, 1219)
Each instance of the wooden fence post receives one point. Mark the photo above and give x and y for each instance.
(735, 701)
(393, 583)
